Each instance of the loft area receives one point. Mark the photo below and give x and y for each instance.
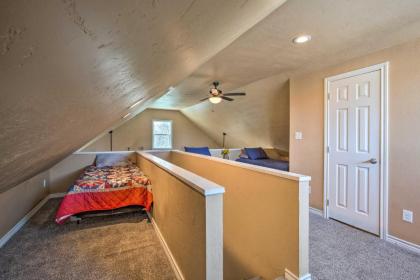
(209, 139)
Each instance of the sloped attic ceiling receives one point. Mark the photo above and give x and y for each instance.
(340, 30)
(261, 119)
(70, 69)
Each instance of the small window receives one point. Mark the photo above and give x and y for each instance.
(162, 134)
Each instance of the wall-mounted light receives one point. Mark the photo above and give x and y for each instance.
(126, 115)
(136, 103)
(215, 99)
(302, 39)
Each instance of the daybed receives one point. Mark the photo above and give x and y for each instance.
(270, 163)
(257, 156)
(198, 150)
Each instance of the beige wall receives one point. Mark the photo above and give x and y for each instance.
(137, 133)
(64, 173)
(190, 223)
(18, 201)
(261, 118)
(306, 115)
(261, 218)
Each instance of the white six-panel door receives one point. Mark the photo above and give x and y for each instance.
(354, 150)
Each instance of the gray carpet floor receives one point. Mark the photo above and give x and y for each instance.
(113, 247)
(340, 252)
(126, 247)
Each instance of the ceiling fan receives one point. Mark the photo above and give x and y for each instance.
(216, 95)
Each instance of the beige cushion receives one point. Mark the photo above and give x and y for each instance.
(277, 154)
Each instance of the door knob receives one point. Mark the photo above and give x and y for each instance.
(372, 161)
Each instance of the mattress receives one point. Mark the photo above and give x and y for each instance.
(270, 163)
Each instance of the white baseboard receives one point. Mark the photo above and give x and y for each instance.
(404, 244)
(171, 258)
(26, 218)
(22, 222)
(288, 275)
(316, 211)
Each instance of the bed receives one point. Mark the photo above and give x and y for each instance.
(257, 156)
(270, 163)
(106, 188)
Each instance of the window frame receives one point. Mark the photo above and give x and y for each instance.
(170, 138)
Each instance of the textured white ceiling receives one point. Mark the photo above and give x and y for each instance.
(70, 69)
(340, 30)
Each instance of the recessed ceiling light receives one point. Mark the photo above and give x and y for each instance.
(301, 39)
(136, 103)
(126, 115)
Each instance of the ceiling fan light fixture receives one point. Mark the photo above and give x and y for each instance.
(215, 99)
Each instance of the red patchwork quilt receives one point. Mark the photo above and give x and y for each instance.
(106, 188)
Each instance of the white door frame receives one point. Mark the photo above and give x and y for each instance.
(383, 170)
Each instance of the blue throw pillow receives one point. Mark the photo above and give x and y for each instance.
(198, 150)
(256, 153)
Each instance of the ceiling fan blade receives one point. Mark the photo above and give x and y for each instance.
(226, 98)
(234, 94)
(204, 99)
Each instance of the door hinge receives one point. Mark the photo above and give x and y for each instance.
(328, 202)
(329, 96)
(328, 149)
